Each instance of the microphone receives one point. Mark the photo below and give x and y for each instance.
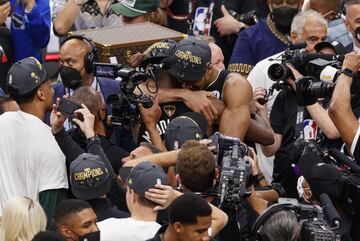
(334, 218)
(344, 160)
(329, 74)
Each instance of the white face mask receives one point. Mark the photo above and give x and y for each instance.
(299, 187)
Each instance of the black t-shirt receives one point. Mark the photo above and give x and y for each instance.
(283, 121)
(239, 224)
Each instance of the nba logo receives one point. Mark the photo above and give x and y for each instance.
(310, 129)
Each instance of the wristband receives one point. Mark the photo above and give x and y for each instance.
(92, 139)
(347, 72)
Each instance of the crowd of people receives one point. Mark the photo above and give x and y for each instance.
(246, 129)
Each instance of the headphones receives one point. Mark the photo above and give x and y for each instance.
(90, 57)
(257, 233)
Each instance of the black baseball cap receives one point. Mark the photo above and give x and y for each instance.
(334, 45)
(322, 177)
(143, 176)
(192, 57)
(26, 75)
(158, 51)
(89, 178)
(188, 126)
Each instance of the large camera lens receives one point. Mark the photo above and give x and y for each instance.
(278, 72)
(321, 89)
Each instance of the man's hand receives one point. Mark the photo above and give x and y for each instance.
(152, 115)
(87, 125)
(260, 93)
(198, 101)
(227, 25)
(252, 158)
(29, 4)
(4, 12)
(136, 59)
(163, 195)
(56, 118)
(352, 61)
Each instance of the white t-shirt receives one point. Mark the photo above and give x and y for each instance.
(30, 159)
(126, 229)
(258, 77)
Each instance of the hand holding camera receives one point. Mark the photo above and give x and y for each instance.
(87, 123)
(79, 114)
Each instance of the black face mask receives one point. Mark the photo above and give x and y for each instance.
(94, 236)
(70, 77)
(283, 17)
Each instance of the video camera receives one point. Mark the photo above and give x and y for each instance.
(124, 104)
(350, 172)
(315, 225)
(307, 64)
(235, 170)
(310, 89)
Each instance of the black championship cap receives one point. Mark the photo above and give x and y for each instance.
(89, 177)
(188, 126)
(322, 177)
(26, 75)
(144, 176)
(334, 45)
(158, 51)
(192, 57)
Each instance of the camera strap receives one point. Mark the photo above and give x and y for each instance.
(299, 129)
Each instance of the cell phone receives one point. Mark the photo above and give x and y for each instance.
(68, 107)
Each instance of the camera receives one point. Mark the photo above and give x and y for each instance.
(315, 224)
(306, 63)
(249, 18)
(235, 171)
(124, 104)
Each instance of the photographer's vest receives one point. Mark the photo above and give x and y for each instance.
(172, 110)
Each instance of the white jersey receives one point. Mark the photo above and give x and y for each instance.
(258, 77)
(30, 159)
(125, 229)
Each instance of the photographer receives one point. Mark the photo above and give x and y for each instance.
(77, 54)
(340, 109)
(309, 27)
(287, 117)
(197, 172)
